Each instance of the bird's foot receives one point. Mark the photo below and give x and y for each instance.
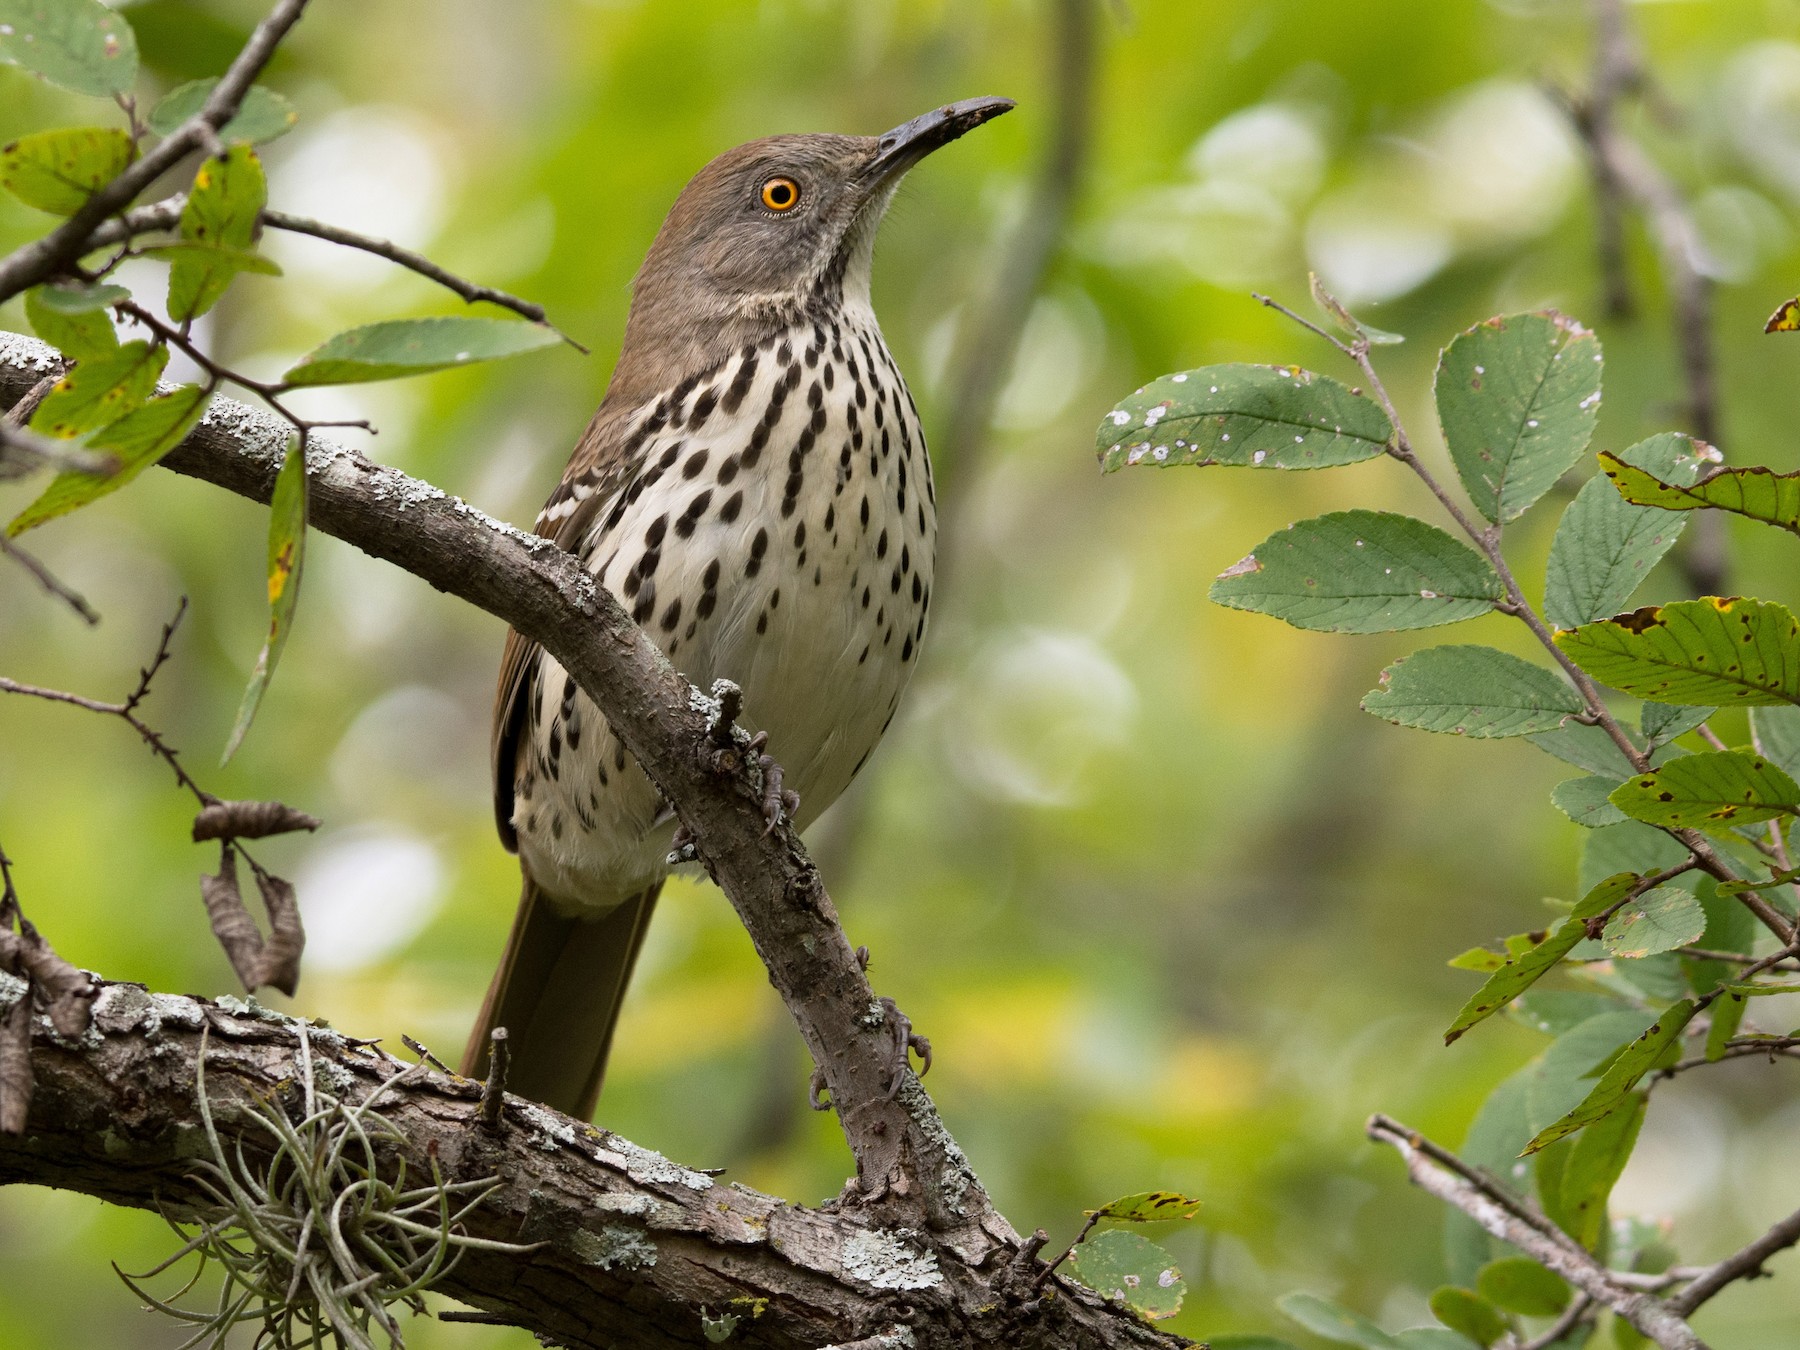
(905, 1040)
(683, 848)
(815, 1092)
(777, 800)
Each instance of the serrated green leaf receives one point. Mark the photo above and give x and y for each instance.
(219, 226)
(1711, 791)
(1659, 920)
(1524, 970)
(1604, 546)
(76, 44)
(1472, 691)
(1521, 1285)
(1517, 398)
(1593, 1167)
(1757, 492)
(1637, 1059)
(262, 116)
(1627, 847)
(1727, 1016)
(1465, 1311)
(1335, 1323)
(1723, 652)
(101, 389)
(1361, 572)
(135, 442)
(1584, 801)
(287, 556)
(1554, 1011)
(78, 334)
(398, 347)
(1148, 1207)
(1268, 417)
(1564, 1074)
(1585, 747)
(1125, 1265)
(1776, 733)
(57, 171)
(1663, 722)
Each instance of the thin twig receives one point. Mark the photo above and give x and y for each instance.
(1741, 1265)
(49, 580)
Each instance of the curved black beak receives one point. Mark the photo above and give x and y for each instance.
(910, 142)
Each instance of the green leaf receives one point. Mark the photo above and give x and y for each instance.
(1524, 970)
(385, 351)
(1249, 1343)
(57, 171)
(1628, 847)
(1585, 747)
(1754, 990)
(219, 223)
(1467, 1312)
(1125, 1265)
(79, 299)
(75, 44)
(1663, 722)
(1361, 572)
(1517, 398)
(1433, 1338)
(1335, 1323)
(287, 554)
(80, 333)
(136, 441)
(1521, 1285)
(1711, 791)
(1495, 1136)
(1472, 691)
(1593, 1167)
(1604, 546)
(1729, 928)
(1727, 1016)
(1477, 958)
(1270, 417)
(1720, 651)
(1659, 920)
(1554, 1011)
(101, 389)
(1148, 1207)
(1662, 1036)
(1759, 493)
(262, 116)
(1564, 1074)
(1584, 801)
(1776, 733)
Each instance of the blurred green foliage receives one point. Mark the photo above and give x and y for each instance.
(1172, 910)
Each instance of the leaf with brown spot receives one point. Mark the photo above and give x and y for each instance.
(287, 550)
(1720, 652)
(1148, 1207)
(1661, 1038)
(1710, 791)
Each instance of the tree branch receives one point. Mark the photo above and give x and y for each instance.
(908, 1166)
(1501, 1214)
(636, 1249)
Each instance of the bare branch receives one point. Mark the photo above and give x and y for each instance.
(1742, 1265)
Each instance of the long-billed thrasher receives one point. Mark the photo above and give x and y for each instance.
(754, 488)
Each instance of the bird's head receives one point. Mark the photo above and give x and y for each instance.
(771, 230)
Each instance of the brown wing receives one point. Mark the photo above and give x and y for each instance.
(598, 469)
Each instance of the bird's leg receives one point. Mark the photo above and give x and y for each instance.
(683, 847)
(905, 1039)
(777, 800)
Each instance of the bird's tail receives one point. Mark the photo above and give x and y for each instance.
(558, 992)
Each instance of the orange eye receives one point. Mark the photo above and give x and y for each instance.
(781, 194)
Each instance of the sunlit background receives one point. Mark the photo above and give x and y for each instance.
(1173, 912)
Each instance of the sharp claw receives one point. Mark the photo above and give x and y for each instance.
(905, 1039)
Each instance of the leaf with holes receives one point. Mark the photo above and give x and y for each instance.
(76, 333)
(1265, 417)
(1525, 968)
(398, 347)
(57, 171)
(1148, 1207)
(75, 44)
(1361, 572)
(1650, 1050)
(1759, 493)
(101, 389)
(1517, 397)
(1711, 791)
(135, 442)
(1605, 546)
(1125, 1265)
(287, 554)
(1659, 920)
(262, 116)
(1472, 691)
(1723, 652)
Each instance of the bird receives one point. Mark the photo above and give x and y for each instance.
(755, 490)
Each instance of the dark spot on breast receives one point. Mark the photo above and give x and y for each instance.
(728, 470)
(695, 463)
(740, 383)
(762, 623)
(881, 545)
(733, 504)
(672, 615)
